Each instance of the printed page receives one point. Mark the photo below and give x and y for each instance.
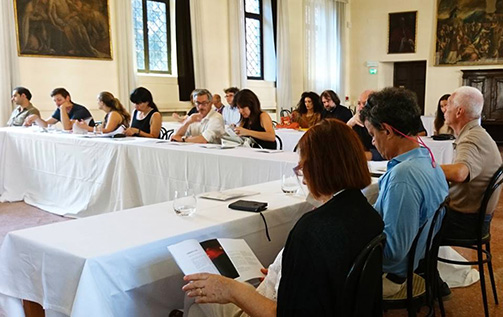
(228, 194)
(191, 257)
(243, 258)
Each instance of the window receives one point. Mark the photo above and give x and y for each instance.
(254, 39)
(152, 35)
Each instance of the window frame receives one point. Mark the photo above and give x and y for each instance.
(146, 51)
(260, 18)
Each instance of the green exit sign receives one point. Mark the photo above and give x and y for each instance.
(372, 71)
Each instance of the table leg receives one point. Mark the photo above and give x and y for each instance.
(32, 309)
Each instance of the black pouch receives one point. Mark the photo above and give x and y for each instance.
(248, 205)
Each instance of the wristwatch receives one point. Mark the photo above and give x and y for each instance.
(183, 138)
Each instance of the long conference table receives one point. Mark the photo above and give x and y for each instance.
(118, 264)
(79, 176)
(442, 150)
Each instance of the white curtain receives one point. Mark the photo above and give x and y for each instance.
(126, 52)
(196, 24)
(9, 67)
(324, 22)
(237, 40)
(284, 82)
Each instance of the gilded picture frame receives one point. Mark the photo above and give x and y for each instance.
(469, 32)
(402, 28)
(63, 28)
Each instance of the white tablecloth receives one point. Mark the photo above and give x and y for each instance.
(428, 123)
(118, 264)
(76, 176)
(442, 150)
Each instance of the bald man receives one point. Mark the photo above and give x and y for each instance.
(217, 103)
(371, 152)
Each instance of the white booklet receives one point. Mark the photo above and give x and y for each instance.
(228, 194)
(232, 258)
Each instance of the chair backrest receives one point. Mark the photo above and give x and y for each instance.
(165, 134)
(285, 113)
(493, 185)
(431, 252)
(280, 143)
(363, 286)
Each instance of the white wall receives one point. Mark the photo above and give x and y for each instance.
(369, 40)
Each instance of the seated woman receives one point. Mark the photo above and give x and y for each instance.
(439, 124)
(192, 110)
(254, 122)
(308, 111)
(116, 114)
(322, 245)
(147, 119)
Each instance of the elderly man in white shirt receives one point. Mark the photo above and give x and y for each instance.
(205, 126)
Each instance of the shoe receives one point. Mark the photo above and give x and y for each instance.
(445, 291)
(176, 313)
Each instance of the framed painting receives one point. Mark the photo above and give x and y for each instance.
(469, 32)
(402, 32)
(63, 28)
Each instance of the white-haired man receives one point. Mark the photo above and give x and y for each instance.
(476, 159)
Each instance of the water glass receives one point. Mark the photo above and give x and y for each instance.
(185, 202)
(289, 183)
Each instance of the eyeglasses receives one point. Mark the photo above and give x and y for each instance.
(204, 103)
(298, 171)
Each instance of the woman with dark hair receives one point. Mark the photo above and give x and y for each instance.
(254, 123)
(116, 114)
(147, 119)
(439, 123)
(308, 276)
(308, 111)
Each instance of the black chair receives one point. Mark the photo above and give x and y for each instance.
(477, 243)
(279, 143)
(285, 113)
(363, 286)
(422, 290)
(165, 134)
(274, 124)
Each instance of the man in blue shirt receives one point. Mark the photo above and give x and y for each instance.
(67, 112)
(413, 187)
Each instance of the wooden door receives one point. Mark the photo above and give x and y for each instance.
(411, 75)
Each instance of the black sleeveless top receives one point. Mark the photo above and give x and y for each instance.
(255, 126)
(144, 124)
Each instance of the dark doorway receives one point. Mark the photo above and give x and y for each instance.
(411, 75)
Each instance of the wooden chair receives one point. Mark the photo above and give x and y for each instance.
(165, 134)
(363, 285)
(422, 290)
(477, 243)
(279, 142)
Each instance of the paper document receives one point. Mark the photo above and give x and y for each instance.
(232, 258)
(228, 194)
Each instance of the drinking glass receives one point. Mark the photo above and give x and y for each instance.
(185, 202)
(289, 183)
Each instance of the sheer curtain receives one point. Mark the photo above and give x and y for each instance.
(237, 40)
(196, 12)
(126, 59)
(284, 82)
(9, 68)
(324, 22)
